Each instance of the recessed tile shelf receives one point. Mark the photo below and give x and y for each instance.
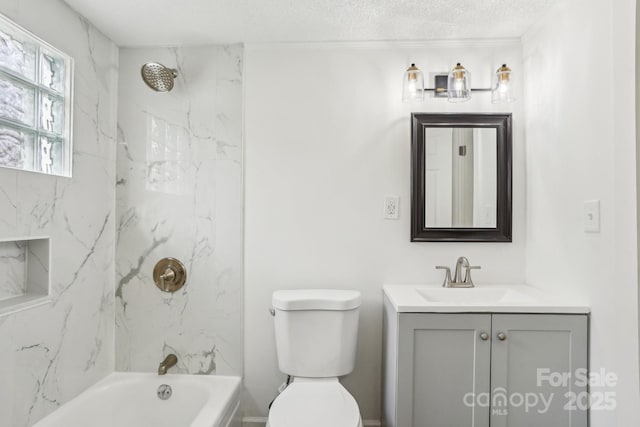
(24, 273)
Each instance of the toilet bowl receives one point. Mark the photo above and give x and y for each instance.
(311, 402)
(316, 333)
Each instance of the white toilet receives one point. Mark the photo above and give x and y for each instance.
(316, 336)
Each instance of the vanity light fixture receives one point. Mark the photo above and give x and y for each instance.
(502, 87)
(413, 84)
(456, 85)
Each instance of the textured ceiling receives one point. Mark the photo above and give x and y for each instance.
(182, 22)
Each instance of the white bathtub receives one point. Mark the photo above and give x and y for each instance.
(131, 400)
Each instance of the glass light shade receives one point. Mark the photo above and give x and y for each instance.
(502, 89)
(459, 84)
(413, 84)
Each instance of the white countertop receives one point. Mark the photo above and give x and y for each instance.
(419, 298)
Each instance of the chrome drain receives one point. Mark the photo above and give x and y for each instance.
(164, 392)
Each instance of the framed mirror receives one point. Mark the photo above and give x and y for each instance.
(460, 177)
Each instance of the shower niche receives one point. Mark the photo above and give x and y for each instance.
(24, 273)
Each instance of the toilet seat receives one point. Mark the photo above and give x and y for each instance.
(318, 402)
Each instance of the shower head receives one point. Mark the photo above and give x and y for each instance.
(158, 77)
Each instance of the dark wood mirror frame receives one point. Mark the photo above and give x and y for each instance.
(502, 123)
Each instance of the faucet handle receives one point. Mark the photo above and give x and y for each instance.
(467, 276)
(447, 277)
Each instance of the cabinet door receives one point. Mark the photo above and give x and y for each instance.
(443, 363)
(533, 370)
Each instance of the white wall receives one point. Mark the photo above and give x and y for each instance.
(50, 354)
(327, 136)
(179, 195)
(637, 110)
(579, 105)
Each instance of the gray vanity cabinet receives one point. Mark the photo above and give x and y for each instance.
(528, 362)
(471, 369)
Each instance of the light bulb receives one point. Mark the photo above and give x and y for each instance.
(413, 88)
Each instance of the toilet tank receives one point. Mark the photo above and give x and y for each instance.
(316, 331)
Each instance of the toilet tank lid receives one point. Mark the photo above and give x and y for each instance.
(315, 299)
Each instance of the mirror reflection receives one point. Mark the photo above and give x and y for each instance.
(460, 177)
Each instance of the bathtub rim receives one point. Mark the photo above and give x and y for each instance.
(207, 416)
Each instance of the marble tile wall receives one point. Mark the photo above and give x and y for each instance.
(51, 353)
(179, 194)
(13, 271)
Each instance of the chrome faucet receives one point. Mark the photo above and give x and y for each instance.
(457, 281)
(167, 363)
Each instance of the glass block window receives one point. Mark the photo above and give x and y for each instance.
(35, 103)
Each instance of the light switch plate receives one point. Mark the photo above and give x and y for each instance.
(591, 216)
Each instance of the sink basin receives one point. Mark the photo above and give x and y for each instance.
(426, 298)
(472, 295)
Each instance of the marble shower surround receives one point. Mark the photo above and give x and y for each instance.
(51, 353)
(179, 194)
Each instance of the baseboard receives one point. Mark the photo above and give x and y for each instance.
(262, 422)
(254, 422)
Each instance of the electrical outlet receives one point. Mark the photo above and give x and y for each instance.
(391, 205)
